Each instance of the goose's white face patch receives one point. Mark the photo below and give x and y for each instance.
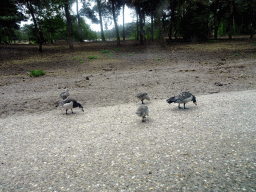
(68, 105)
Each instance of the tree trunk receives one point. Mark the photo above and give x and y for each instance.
(141, 29)
(172, 19)
(39, 35)
(114, 17)
(101, 25)
(163, 42)
(123, 23)
(230, 28)
(79, 24)
(137, 24)
(139, 13)
(152, 22)
(51, 38)
(215, 25)
(70, 34)
(252, 29)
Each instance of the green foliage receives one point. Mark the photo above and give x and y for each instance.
(159, 58)
(236, 54)
(53, 27)
(92, 57)
(105, 51)
(131, 54)
(81, 61)
(74, 58)
(117, 49)
(9, 19)
(86, 32)
(36, 73)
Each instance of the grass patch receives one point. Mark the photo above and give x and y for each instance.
(92, 57)
(159, 58)
(81, 61)
(236, 54)
(117, 49)
(210, 41)
(131, 54)
(36, 73)
(105, 51)
(74, 58)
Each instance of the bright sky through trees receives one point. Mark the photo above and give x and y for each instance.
(96, 27)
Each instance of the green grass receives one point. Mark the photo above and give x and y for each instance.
(210, 41)
(105, 51)
(36, 73)
(131, 54)
(236, 54)
(117, 49)
(92, 57)
(74, 58)
(159, 58)
(81, 61)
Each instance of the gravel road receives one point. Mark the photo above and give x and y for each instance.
(208, 147)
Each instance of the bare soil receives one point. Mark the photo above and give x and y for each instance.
(116, 77)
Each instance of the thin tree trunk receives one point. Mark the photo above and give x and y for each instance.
(70, 34)
(252, 30)
(141, 29)
(101, 25)
(172, 19)
(40, 39)
(163, 42)
(215, 25)
(230, 28)
(114, 17)
(123, 23)
(152, 22)
(137, 23)
(140, 23)
(79, 24)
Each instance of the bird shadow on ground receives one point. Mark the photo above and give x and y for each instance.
(182, 110)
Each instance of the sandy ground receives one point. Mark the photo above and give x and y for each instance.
(208, 147)
(116, 77)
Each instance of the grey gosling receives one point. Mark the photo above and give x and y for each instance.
(64, 95)
(142, 111)
(70, 104)
(142, 96)
(184, 98)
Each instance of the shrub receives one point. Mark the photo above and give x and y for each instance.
(36, 73)
(92, 57)
(105, 51)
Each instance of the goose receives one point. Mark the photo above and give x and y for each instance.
(70, 104)
(142, 96)
(64, 95)
(183, 97)
(142, 111)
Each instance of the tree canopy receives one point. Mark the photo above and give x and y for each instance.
(184, 19)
